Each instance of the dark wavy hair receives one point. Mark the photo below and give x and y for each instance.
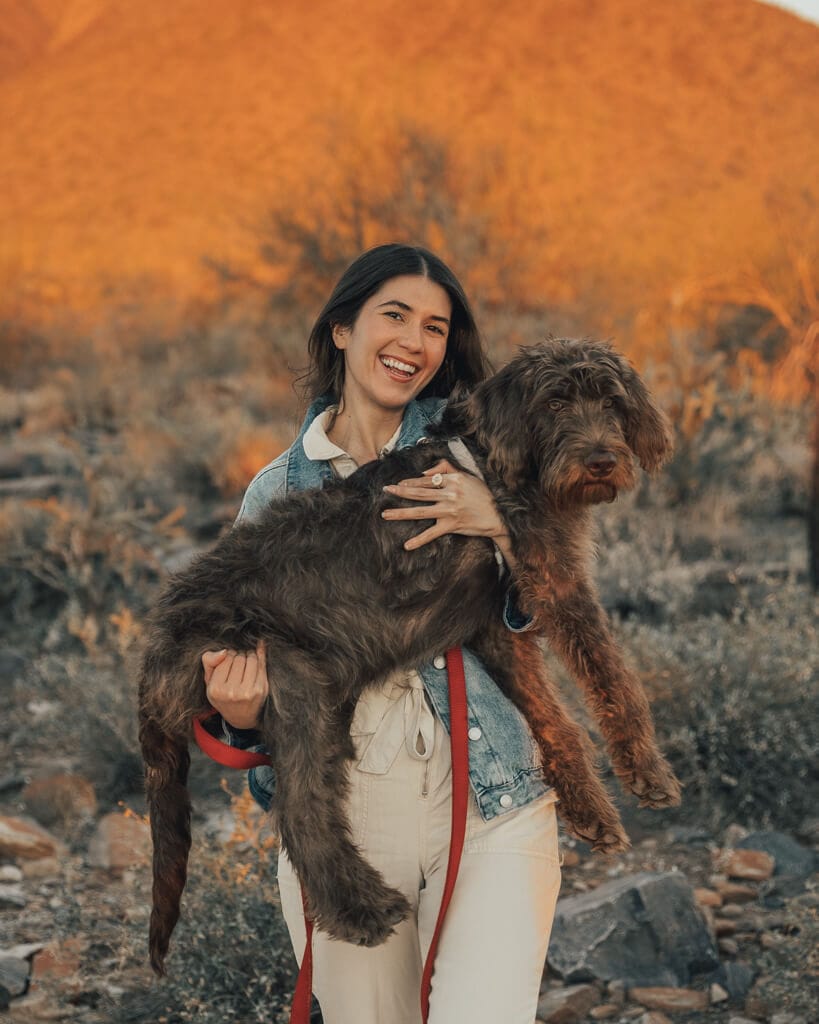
(465, 361)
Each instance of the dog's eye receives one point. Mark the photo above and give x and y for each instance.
(608, 403)
(555, 405)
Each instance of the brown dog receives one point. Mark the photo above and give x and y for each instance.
(339, 603)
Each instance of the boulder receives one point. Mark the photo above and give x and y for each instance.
(644, 929)
(25, 839)
(14, 975)
(60, 799)
(120, 841)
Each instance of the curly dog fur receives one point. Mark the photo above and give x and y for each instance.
(339, 603)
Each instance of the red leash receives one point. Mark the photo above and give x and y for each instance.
(232, 757)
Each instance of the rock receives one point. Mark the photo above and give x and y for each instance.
(755, 865)
(665, 998)
(13, 975)
(120, 841)
(10, 873)
(9, 782)
(616, 992)
(40, 1007)
(571, 858)
(741, 1020)
(728, 946)
(604, 1011)
(654, 1017)
(735, 977)
(724, 926)
(567, 1005)
(735, 892)
(717, 994)
(23, 951)
(43, 867)
(12, 897)
(25, 840)
(60, 799)
(644, 929)
(787, 1018)
(59, 959)
(707, 898)
(793, 862)
(734, 834)
(808, 831)
(732, 910)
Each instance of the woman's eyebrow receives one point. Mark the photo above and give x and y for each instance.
(403, 305)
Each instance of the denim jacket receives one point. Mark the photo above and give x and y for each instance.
(505, 766)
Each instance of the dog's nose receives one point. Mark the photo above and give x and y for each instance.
(600, 463)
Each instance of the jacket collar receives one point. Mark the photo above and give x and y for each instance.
(304, 474)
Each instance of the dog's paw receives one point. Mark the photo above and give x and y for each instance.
(370, 920)
(603, 837)
(655, 784)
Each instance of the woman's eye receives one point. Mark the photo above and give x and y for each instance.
(436, 329)
(393, 313)
(555, 405)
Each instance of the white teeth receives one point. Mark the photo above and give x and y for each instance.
(396, 364)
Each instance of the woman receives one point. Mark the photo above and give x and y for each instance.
(394, 338)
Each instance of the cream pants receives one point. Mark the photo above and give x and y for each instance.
(493, 945)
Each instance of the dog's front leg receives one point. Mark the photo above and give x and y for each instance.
(516, 663)
(578, 630)
(346, 897)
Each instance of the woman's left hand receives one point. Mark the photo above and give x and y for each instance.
(463, 504)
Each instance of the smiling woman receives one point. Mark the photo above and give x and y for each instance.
(394, 338)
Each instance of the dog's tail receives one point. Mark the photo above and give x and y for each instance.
(166, 775)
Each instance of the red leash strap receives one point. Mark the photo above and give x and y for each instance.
(460, 796)
(230, 757)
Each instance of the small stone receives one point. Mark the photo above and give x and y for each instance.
(604, 1011)
(664, 998)
(728, 946)
(707, 898)
(60, 799)
(119, 842)
(567, 1005)
(735, 892)
(12, 897)
(750, 864)
(25, 839)
(10, 873)
(732, 910)
(59, 959)
(791, 858)
(13, 975)
(616, 992)
(808, 831)
(786, 1018)
(741, 1020)
(734, 834)
(654, 1017)
(717, 994)
(571, 858)
(631, 1012)
(770, 940)
(43, 867)
(724, 926)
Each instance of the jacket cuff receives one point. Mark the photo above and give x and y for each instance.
(514, 619)
(240, 738)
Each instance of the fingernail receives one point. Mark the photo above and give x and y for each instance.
(389, 487)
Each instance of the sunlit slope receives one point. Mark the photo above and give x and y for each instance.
(643, 137)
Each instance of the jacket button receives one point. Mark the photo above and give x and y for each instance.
(506, 800)
(439, 661)
(474, 733)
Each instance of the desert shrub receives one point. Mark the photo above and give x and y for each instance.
(734, 702)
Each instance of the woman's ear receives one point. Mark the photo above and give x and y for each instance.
(648, 431)
(340, 335)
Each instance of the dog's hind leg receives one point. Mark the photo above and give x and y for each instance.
(166, 773)
(516, 663)
(577, 629)
(346, 897)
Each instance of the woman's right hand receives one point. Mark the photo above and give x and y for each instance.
(236, 685)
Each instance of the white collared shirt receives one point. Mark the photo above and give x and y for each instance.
(318, 446)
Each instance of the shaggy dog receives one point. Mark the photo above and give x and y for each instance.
(326, 583)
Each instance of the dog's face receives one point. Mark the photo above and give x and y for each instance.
(572, 416)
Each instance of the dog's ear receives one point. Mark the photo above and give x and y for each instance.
(495, 415)
(648, 431)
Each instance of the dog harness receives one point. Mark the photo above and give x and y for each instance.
(232, 757)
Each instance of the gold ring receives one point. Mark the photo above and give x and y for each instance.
(438, 480)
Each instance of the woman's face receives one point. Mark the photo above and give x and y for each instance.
(397, 343)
